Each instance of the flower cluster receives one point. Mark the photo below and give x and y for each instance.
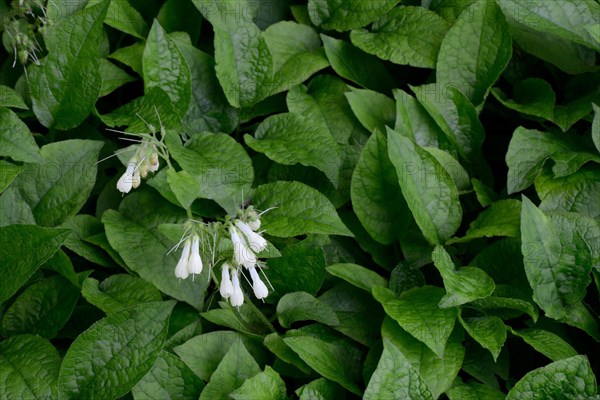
(24, 22)
(143, 161)
(247, 244)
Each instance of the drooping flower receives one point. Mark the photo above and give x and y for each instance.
(257, 243)
(195, 262)
(237, 297)
(226, 288)
(242, 254)
(182, 269)
(125, 182)
(259, 287)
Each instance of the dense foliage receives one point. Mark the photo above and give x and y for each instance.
(336, 199)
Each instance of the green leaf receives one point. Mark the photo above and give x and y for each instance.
(557, 263)
(83, 226)
(220, 165)
(376, 196)
(56, 188)
(345, 15)
(596, 127)
(502, 218)
(118, 292)
(10, 98)
(457, 172)
(297, 209)
(566, 19)
(455, 115)
(404, 35)
(29, 368)
(169, 378)
(571, 378)
(463, 285)
(437, 373)
(395, 378)
(429, 191)
(417, 312)
(131, 56)
(23, 249)
(132, 337)
(333, 356)
(208, 110)
(357, 66)
(274, 342)
(236, 367)
(475, 51)
(494, 303)
(532, 96)
(374, 110)
(184, 186)
(485, 195)
(473, 391)
(412, 120)
(488, 331)
(138, 241)
(357, 275)
(43, 308)
(16, 141)
(290, 138)
(320, 389)
(301, 306)
(203, 353)
(8, 172)
(113, 77)
(266, 385)
(529, 149)
(164, 66)
(122, 16)
(547, 343)
(66, 85)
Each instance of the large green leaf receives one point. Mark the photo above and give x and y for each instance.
(428, 189)
(373, 109)
(169, 378)
(376, 196)
(413, 121)
(395, 378)
(23, 249)
(119, 291)
(405, 35)
(83, 226)
(571, 378)
(124, 17)
(501, 218)
(115, 353)
(66, 85)
(236, 367)
(357, 275)
(43, 308)
(8, 172)
(345, 15)
(532, 96)
(266, 385)
(473, 391)
(16, 141)
(297, 209)
(557, 262)
(301, 306)
(290, 138)
(488, 331)
(164, 66)
(144, 249)
(56, 188)
(547, 343)
(29, 368)
(475, 51)
(417, 312)
(332, 355)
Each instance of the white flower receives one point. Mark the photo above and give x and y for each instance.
(237, 297)
(254, 224)
(153, 164)
(241, 253)
(181, 270)
(195, 263)
(136, 179)
(260, 289)
(226, 288)
(125, 182)
(257, 243)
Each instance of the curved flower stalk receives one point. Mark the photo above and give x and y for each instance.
(243, 261)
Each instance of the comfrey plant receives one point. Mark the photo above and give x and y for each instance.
(241, 259)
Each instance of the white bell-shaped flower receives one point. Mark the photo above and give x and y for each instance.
(226, 288)
(125, 182)
(182, 270)
(259, 287)
(257, 243)
(254, 224)
(242, 254)
(195, 263)
(237, 297)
